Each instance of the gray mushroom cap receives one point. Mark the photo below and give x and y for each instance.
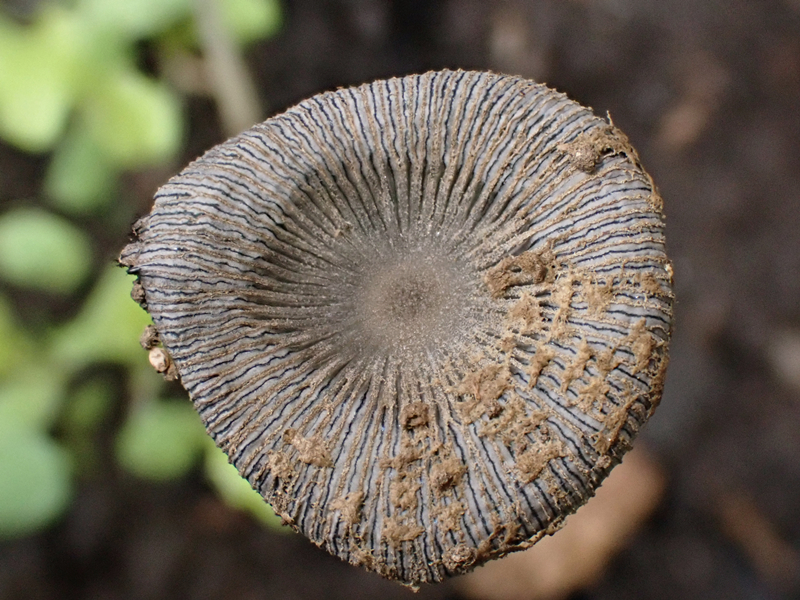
(424, 317)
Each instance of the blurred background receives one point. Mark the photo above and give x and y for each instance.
(108, 486)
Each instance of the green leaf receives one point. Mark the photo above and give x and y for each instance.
(160, 440)
(133, 119)
(35, 481)
(80, 180)
(39, 78)
(250, 20)
(43, 251)
(236, 491)
(134, 19)
(108, 327)
(31, 398)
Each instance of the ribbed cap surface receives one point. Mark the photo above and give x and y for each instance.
(424, 316)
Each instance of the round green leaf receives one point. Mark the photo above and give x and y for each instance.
(43, 251)
(236, 491)
(39, 78)
(31, 398)
(79, 179)
(160, 440)
(133, 119)
(35, 481)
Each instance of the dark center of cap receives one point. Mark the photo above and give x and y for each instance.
(415, 300)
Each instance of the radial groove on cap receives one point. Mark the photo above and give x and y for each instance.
(424, 317)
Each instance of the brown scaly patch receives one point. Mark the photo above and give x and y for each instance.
(528, 312)
(459, 558)
(607, 361)
(559, 496)
(562, 298)
(660, 373)
(513, 413)
(149, 338)
(130, 253)
(138, 295)
(587, 150)
(657, 383)
(540, 360)
(447, 474)
(504, 537)
(396, 533)
(359, 556)
(414, 415)
(514, 424)
(280, 465)
(670, 271)
(651, 285)
(403, 490)
(507, 343)
(489, 383)
(655, 200)
(312, 451)
(613, 423)
(533, 461)
(556, 526)
(407, 455)
(485, 387)
(448, 517)
(281, 504)
(511, 534)
(349, 507)
(528, 268)
(577, 366)
(642, 344)
(593, 393)
(597, 295)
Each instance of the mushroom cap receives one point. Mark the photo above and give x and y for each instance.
(424, 317)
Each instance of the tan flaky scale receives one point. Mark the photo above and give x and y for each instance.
(424, 317)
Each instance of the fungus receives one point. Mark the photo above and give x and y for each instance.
(414, 314)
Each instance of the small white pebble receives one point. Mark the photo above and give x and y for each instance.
(159, 359)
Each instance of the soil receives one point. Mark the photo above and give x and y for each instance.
(708, 93)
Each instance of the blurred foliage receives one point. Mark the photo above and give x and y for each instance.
(37, 485)
(72, 87)
(160, 440)
(41, 250)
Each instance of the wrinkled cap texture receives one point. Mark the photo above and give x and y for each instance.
(424, 317)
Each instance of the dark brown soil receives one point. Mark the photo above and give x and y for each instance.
(709, 94)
